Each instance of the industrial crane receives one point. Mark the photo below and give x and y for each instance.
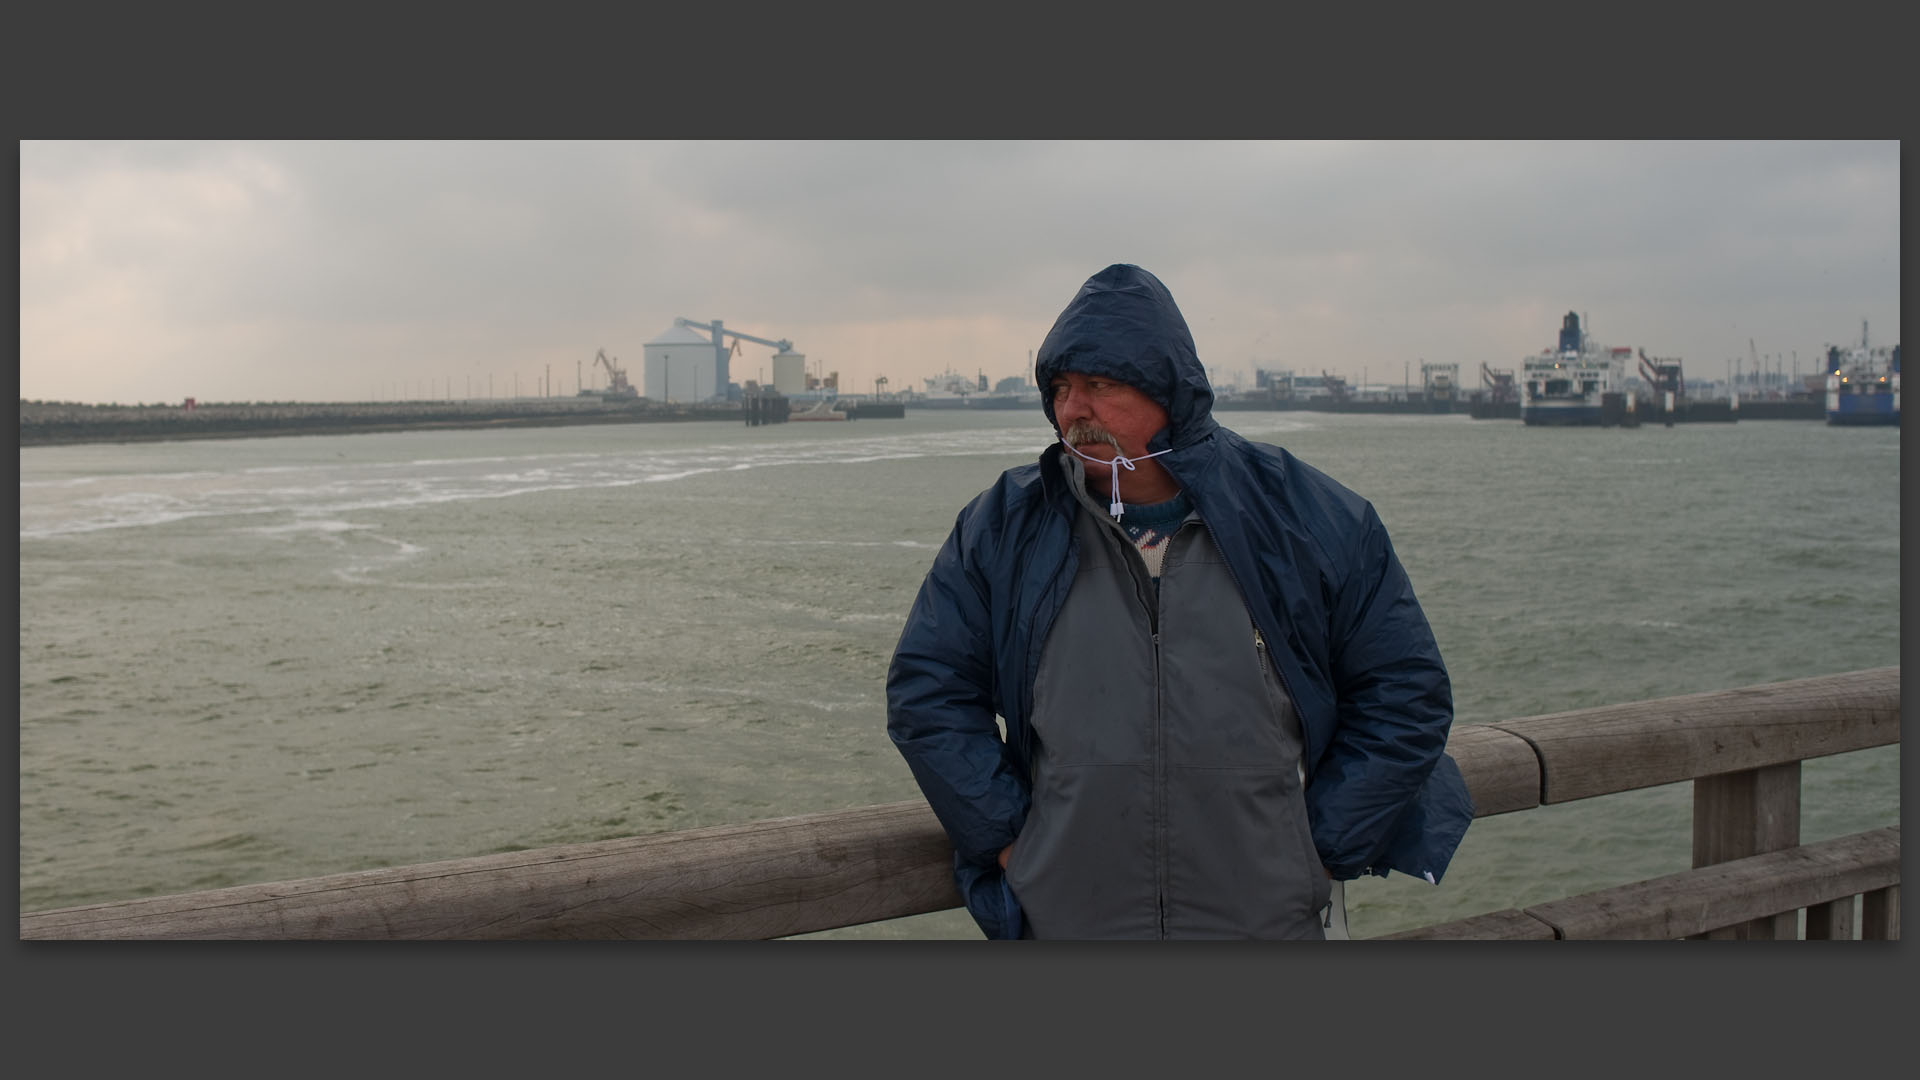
(716, 328)
(617, 384)
(1663, 377)
(722, 353)
(1499, 384)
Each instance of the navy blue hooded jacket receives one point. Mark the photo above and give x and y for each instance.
(1311, 559)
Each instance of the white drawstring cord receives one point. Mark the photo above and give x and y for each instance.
(1119, 459)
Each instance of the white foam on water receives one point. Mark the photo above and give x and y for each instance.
(122, 518)
(361, 572)
(771, 542)
(331, 489)
(424, 462)
(315, 525)
(72, 481)
(405, 549)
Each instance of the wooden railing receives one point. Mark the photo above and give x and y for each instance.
(1741, 748)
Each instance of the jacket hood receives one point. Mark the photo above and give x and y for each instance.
(1123, 324)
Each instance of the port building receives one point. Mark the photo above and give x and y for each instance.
(679, 366)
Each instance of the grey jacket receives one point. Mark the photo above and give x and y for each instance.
(1166, 769)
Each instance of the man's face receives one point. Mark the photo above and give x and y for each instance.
(1093, 411)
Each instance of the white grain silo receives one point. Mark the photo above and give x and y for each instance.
(790, 372)
(679, 367)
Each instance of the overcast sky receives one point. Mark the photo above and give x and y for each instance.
(152, 272)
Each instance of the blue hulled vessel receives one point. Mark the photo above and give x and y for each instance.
(1863, 384)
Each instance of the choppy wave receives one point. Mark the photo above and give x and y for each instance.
(51, 508)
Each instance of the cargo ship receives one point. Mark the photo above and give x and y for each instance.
(1565, 386)
(1863, 385)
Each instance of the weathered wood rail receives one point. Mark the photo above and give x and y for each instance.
(1742, 749)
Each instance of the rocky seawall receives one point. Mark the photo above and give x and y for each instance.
(56, 423)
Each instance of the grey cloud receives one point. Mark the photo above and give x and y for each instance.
(565, 242)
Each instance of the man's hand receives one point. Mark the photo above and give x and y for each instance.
(1005, 854)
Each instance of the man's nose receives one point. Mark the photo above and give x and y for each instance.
(1071, 405)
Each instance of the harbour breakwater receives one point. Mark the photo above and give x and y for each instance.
(56, 423)
(1646, 410)
(62, 423)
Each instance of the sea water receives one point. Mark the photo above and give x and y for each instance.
(255, 660)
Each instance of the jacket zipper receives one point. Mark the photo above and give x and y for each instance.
(1159, 792)
(1306, 729)
(1260, 642)
(1167, 563)
(1151, 597)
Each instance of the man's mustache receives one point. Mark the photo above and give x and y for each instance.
(1081, 432)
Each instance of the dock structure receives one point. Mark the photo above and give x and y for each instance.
(761, 406)
(1498, 397)
(1742, 750)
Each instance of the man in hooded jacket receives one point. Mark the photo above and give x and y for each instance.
(1221, 699)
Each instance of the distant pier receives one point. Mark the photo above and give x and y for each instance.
(59, 423)
(765, 407)
(1645, 411)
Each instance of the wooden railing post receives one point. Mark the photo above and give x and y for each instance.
(1831, 921)
(1748, 813)
(1880, 914)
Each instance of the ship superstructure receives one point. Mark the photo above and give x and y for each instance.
(1863, 384)
(951, 390)
(1566, 385)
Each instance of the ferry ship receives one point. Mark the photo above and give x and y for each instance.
(950, 390)
(1863, 384)
(1565, 386)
